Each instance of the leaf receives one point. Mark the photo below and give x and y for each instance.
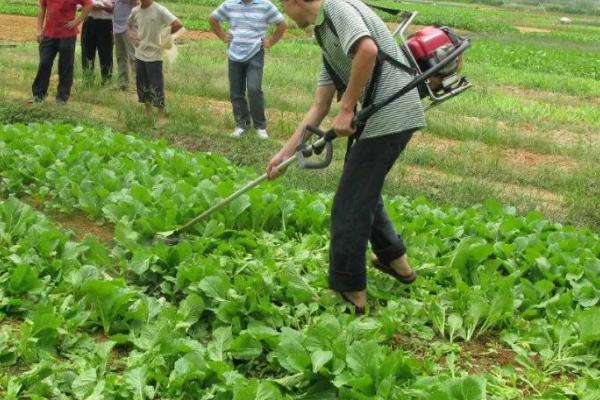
(140, 262)
(267, 391)
(109, 299)
(136, 380)
(468, 388)
(455, 323)
(191, 309)
(215, 286)
(319, 358)
(362, 356)
(293, 356)
(239, 205)
(221, 343)
(192, 366)
(98, 393)
(589, 325)
(245, 347)
(45, 324)
(23, 280)
(84, 383)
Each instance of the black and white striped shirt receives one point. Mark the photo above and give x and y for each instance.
(354, 20)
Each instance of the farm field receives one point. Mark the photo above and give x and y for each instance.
(497, 199)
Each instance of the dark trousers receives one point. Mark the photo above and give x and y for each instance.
(97, 36)
(149, 82)
(248, 74)
(49, 47)
(358, 215)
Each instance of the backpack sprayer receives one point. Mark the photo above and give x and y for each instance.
(435, 54)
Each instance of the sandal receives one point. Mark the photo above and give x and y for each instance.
(357, 310)
(386, 269)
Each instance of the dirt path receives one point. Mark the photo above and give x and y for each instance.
(17, 28)
(529, 29)
(80, 224)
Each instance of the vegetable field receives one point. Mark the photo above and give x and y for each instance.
(497, 199)
(241, 309)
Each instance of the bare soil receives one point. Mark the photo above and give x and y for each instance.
(516, 157)
(82, 225)
(17, 28)
(477, 356)
(20, 28)
(79, 223)
(529, 29)
(196, 35)
(483, 354)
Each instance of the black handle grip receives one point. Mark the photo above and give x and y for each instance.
(306, 149)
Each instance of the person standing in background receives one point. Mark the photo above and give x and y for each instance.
(97, 36)
(145, 25)
(248, 20)
(56, 34)
(124, 49)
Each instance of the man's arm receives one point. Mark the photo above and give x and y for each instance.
(132, 32)
(277, 35)
(80, 18)
(314, 117)
(176, 26)
(133, 35)
(363, 63)
(215, 26)
(40, 22)
(108, 6)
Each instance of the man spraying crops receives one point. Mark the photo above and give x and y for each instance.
(351, 35)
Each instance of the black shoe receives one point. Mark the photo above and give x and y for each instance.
(386, 269)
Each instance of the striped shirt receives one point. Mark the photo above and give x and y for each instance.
(121, 14)
(248, 25)
(354, 20)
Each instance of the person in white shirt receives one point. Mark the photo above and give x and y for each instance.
(97, 36)
(145, 26)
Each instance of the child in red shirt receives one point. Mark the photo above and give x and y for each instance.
(57, 33)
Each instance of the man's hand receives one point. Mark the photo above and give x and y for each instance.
(72, 24)
(227, 38)
(267, 43)
(40, 37)
(272, 171)
(342, 124)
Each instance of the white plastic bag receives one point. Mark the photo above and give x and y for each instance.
(167, 43)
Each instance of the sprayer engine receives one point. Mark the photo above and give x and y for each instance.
(431, 45)
(425, 49)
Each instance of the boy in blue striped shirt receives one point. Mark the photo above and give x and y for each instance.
(248, 23)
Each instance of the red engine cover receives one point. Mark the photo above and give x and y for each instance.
(425, 42)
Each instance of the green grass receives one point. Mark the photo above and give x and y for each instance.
(19, 7)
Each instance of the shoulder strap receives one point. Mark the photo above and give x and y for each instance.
(381, 55)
